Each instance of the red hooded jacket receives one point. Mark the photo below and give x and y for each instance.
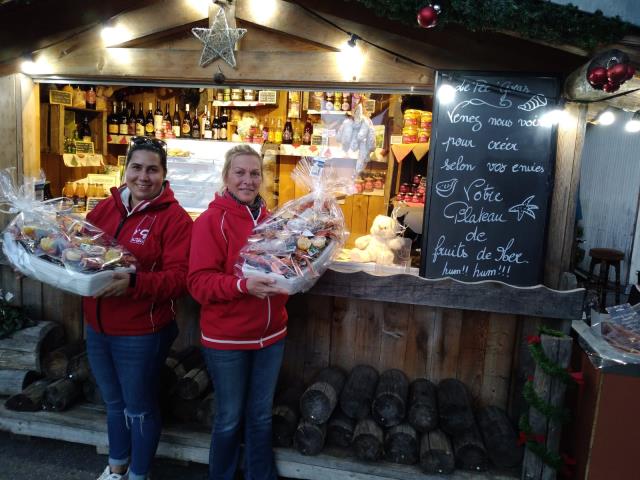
(230, 318)
(158, 234)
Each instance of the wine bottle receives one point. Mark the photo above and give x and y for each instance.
(123, 124)
(307, 132)
(167, 126)
(215, 127)
(140, 121)
(277, 137)
(195, 125)
(91, 99)
(113, 121)
(287, 133)
(224, 120)
(132, 120)
(176, 122)
(158, 125)
(207, 132)
(148, 123)
(186, 122)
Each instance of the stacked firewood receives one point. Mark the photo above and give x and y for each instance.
(186, 392)
(384, 416)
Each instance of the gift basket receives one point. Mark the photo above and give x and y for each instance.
(44, 241)
(295, 244)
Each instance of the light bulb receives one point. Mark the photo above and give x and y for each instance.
(446, 94)
(606, 118)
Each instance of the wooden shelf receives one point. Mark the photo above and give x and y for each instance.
(241, 103)
(86, 424)
(88, 110)
(485, 296)
(327, 112)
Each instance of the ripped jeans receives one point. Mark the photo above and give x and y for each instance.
(127, 371)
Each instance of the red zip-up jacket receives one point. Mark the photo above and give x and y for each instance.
(230, 318)
(158, 234)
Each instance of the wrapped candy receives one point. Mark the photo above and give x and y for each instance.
(296, 244)
(44, 241)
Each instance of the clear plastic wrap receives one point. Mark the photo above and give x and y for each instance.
(296, 244)
(46, 242)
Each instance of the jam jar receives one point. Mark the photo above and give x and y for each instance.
(404, 188)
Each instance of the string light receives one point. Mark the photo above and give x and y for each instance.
(633, 125)
(606, 117)
(446, 94)
(352, 41)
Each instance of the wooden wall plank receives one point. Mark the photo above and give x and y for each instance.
(368, 340)
(11, 284)
(32, 298)
(473, 340)
(359, 225)
(444, 344)
(286, 190)
(294, 352)
(394, 332)
(65, 309)
(188, 320)
(30, 109)
(343, 333)
(419, 331)
(376, 207)
(318, 334)
(498, 356)
(347, 211)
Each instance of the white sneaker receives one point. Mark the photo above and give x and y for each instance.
(107, 475)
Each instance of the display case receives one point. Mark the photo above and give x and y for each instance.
(194, 170)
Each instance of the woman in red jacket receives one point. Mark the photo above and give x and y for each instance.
(243, 322)
(131, 322)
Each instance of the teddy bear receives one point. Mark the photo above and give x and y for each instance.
(380, 245)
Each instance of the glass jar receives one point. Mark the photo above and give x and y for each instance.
(404, 188)
(249, 95)
(368, 184)
(417, 178)
(425, 120)
(226, 95)
(378, 184)
(400, 197)
(359, 185)
(424, 135)
(410, 135)
(418, 197)
(236, 94)
(220, 95)
(412, 118)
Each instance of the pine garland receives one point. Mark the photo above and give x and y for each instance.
(558, 414)
(533, 19)
(12, 318)
(552, 459)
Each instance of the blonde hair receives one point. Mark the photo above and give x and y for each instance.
(235, 152)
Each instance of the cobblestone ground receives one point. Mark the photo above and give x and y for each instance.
(31, 458)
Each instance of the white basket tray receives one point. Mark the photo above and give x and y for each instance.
(295, 284)
(85, 284)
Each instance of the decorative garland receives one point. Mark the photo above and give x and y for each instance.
(533, 19)
(536, 443)
(12, 318)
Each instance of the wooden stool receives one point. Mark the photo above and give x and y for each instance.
(605, 257)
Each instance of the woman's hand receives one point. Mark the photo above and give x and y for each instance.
(263, 287)
(117, 287)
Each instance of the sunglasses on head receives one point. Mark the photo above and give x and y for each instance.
(152, 142)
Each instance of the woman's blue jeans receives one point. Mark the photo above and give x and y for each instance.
(127, 371)
(244, 383)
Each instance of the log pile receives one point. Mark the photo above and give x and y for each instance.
(384, 416)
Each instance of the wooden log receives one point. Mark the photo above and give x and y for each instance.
(309, 437)
(78, 368)
(551, 391)
(423, 405)
(60, 395)
(286, 415)
(358, 391)
(500, 438)
(401, 444)
(436, 453)
(194, 383)
(30, 399)
(454, 407)
(56, 363)
(206, 410)
(91, 392)
(25, 349)
(368, 440)
(178, 364)
(469, 450)
(319, 400)
(14, 381)
(390, 401)
(184, 410)
(340, 429)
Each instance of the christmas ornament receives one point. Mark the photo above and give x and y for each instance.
(428, 16)
(611, 87)
(617, 73)
(218, 39)
(609, 70)
(597, 77)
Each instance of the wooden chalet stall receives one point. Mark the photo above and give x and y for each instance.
(438, 329)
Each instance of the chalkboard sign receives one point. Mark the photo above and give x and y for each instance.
(490, 178)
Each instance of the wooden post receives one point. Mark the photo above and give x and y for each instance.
(286, 415)
(390, 402)
(309, 437)
(60, 395)
(340, 429)
(14, 381)
(207, 410)
(454, 404)
(423, 405)
(194, 383)
(56, 364)
(357, 394)
(550, 390)
(30, 399)
(24, 349)
(436, 453)
(401, 444)
(368, 440)
(319, 400)
(500, 438)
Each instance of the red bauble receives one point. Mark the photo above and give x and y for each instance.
(617, 73)
(611, 87)
(428, 16)
(631, 71)
(597, 77)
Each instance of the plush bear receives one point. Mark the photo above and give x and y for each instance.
(380, 245)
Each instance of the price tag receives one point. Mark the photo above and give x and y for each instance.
(84, 147)
(59, 97)
(267, 96)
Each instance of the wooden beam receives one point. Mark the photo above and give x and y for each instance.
(560, 236)
(289, 68)
(485, 296)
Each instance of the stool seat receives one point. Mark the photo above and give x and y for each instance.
(608, 254)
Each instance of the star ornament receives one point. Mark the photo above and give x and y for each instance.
(218, 40)
(525, 208)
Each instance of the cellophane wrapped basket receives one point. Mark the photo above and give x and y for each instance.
(296, 244)
(46, 242)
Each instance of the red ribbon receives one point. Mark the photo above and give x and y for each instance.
(578, 377)
(539, 438)
(522, 438)
(530, 378)
(533, 339)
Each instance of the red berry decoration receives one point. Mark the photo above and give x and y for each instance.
(428, 16)
(611, 87)
(631, 71)
(597, 77)
(617, 73)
